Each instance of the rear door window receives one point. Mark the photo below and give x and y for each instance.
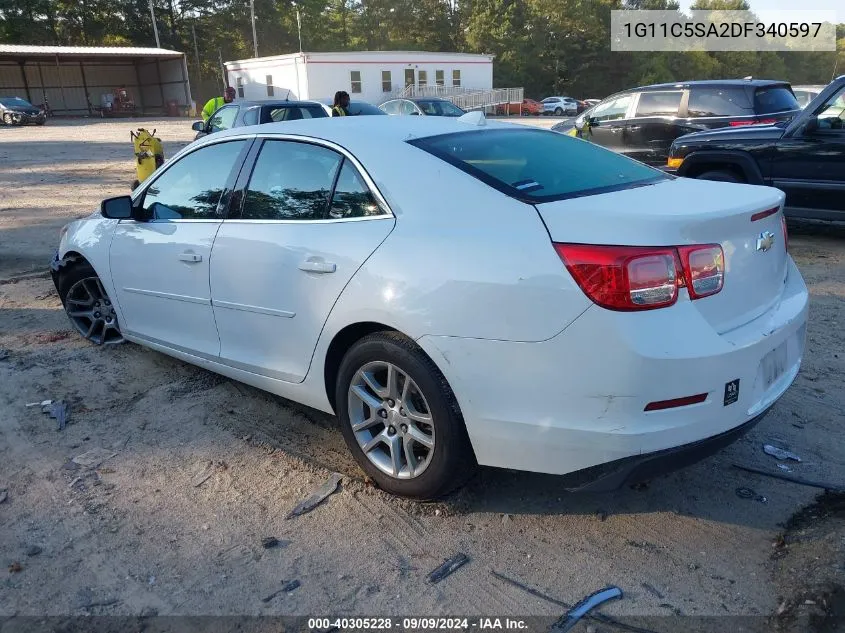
(291, 181)
(251, 116)
(537, 165)
(774, 99)
(725, 101)
(659, 103)
(296, 113)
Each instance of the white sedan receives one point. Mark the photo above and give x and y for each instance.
(456, 291)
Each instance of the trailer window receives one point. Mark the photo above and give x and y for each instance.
(386, 81)
(269, 80)
(355, 80)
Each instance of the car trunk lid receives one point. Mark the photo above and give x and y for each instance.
(683, 212)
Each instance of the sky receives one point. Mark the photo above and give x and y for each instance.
(780, 5)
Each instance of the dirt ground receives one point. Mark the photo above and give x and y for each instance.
(195, 470)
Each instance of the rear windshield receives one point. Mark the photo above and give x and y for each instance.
(537, 165)
(15, 102)
(775, 99)
(362, 107)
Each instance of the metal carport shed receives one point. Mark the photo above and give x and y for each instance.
(71, 79)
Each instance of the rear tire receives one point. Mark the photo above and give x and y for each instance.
(410, 436)
(719, 176)
(558, 111)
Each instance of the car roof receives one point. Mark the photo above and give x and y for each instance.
(274, 103)
(714, 83)
(421, 99)
(354, 132)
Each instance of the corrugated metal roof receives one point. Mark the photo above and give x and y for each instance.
(85, 51)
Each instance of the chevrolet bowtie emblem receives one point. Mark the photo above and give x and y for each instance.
(765, 241)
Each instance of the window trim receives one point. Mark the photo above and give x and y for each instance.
(249, 166)
(423, 144)
(677, 115)
(223, 205)
(352, 83)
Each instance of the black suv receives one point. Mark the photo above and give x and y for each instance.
(804, 157)
(642, 123)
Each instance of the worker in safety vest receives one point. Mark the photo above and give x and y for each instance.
(214, 104)
(341, 103)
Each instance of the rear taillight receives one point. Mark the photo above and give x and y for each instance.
(785, 232)
(704, 269)
(643, 277)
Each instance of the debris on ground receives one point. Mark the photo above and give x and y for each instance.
(780, 453)
(745, 493)
(271, 541)
(317, 498)
(448, 567)
(785, 468)
(598, 617)
(652, 590)
(33, 550)
(59, 410)
(795, 480)
(287, 587)
(42, 404)
(15, 568)
(203, 475)
(93, 458)
(571, 617)
(4, 494)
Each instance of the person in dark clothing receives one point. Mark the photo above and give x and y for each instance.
(341, 103)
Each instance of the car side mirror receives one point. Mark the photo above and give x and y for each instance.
(199, 126)
(811, 125)
(119, 208)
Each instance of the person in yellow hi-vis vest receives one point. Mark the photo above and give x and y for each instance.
(212, 105)
(341, 103)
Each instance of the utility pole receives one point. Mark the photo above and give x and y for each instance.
(222, 69)
(196, 52)
(155, 27)
(299, 28)
(254, 36)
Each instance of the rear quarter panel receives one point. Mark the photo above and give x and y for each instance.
(464, 260)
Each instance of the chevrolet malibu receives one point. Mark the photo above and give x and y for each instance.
(457, 291)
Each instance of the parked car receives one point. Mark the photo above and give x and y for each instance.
(642, 123)
(17, 111)
(805, 94)
(242, 113)
(805, 157)
(426, 106)
(528, 107)
(560, 106)
(592, 102)
(563, 308)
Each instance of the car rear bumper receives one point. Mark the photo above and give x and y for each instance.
(578, 399)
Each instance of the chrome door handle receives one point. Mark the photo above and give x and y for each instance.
(317, 266)
(191, 258)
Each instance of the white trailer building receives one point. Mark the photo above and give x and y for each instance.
(372, 76)
(73, 79)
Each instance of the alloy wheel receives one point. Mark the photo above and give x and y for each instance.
(391, 420)
(92, 312)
